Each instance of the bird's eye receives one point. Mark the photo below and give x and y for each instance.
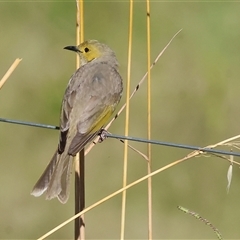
(86, 49)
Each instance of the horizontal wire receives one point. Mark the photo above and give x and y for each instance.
(29, 124)
(168, 144)
(135, 139)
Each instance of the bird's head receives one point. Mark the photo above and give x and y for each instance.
(92, 49)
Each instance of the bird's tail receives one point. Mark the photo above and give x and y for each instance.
(43, 182)
(55, 180)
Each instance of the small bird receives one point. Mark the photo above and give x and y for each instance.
(91, 97)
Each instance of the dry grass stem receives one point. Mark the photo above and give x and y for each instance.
(139, 152)
(10, 71)
(149, 125)
(127, 118)
(79, 227)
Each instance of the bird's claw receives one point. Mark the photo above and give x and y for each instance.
(102, 135)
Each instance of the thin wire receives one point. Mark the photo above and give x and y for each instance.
(134, 139)
(168, 144)
(31, 124)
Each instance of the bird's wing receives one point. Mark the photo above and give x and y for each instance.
(67, 105)
(104, 87)
(94, 124)
(90, 98)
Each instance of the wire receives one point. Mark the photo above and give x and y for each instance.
(135, 139)
(29, 124)
(168, 144)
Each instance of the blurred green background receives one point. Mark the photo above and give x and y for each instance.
(195, 100)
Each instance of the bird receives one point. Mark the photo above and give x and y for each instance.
(92, 94)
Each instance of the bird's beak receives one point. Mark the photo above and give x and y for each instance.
(72, 48)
